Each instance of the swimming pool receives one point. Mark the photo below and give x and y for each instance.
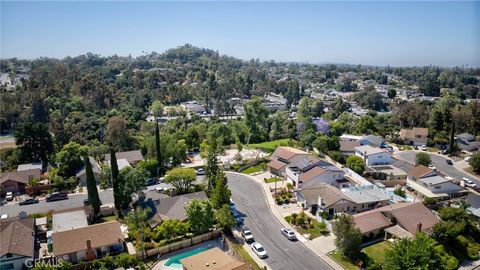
(174, 261)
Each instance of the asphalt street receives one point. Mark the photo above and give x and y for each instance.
(440, 163)
(250, 201)
(74, 200)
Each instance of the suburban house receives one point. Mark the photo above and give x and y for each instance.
(88, 243)
(347, 147)
(213, 259)
(121, 163)
(17, 181)
(372, 140)
(193, 107)
(174, 207)
(373, 155)
(427, 183)
(467, 142)
(283, 156)
(366, 197)
(310, 172)
(82, 174)
(30, 166)
(400, 220)
(386, 172)
(326, 198)
(415, 136)
(17, 242)
(133, 157)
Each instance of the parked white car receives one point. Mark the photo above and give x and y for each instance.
(288, 233)
(424, 148)
(4, 216)
(259, 250)
(468, 182)
(247, 235)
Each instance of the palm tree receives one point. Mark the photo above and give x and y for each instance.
(136, 219)
(33, 183)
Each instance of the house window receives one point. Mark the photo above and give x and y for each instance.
(438, 187)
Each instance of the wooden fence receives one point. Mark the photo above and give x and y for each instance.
(182, 244)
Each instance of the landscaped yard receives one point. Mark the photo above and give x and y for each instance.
(377, 251)
(344, 262)
(269, 146)
(314, 229)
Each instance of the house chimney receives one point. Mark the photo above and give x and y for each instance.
(419, 227)
(90, 254)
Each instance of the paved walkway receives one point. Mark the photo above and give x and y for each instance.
(320, 245)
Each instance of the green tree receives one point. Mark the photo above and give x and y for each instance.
(211, 170)
(158, 152)
(221, 194)
(93, 197)
(225, 219)
(34, 140)
(256, 118)
(137, 221)
(118, 134)
(391, 93)
(414, 253)
(356, 164)
(367, 124)
(200, 215)
(117, 192)
(33, 184)
(132, 182)
(157, 108)
(475, 162)
(181, 179)
(400, 192)
(348, 238)
(70, 158)
(171, 229)
(453, 145)
(423, 158)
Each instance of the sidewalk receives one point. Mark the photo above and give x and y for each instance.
(320, 246)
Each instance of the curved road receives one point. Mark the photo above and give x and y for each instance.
(440, 162)
(250, 201)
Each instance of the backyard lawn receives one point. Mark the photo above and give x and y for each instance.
(269, 146)
(377, 251)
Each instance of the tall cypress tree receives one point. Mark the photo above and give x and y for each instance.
(93, 197)
(117, 196)
(157, 150)
(452, 146)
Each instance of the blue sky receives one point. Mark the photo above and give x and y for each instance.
(375, 33)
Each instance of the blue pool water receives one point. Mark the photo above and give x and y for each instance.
(174, 261)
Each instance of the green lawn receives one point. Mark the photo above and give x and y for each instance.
(106, 218)
(273, 179)
(314, 232)
(254, 169)
(377, 251)
(344, 262)
(269, 146)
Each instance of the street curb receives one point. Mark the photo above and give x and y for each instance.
(271, 211)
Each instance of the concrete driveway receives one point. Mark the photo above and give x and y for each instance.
(249, 198)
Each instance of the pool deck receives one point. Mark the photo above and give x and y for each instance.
(159, 265)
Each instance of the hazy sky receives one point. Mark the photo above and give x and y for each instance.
(377, 33)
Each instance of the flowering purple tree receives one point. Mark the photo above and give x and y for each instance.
(321, 126)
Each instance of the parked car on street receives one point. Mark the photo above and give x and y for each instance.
(28, 201)
(159, 189)
(57, 196)
(151, 181)
(449, 162)
(9, 196)
(247, 235)
(469, 183)
(201, 171)
(424, 148)
(288, 233)
(259, 250)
